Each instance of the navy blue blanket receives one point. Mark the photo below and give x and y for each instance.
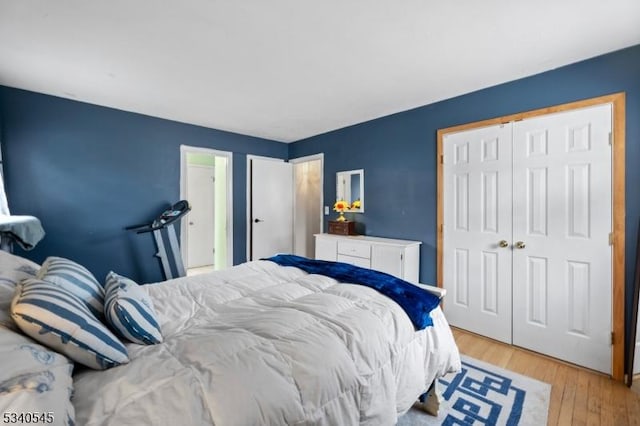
(416, 302)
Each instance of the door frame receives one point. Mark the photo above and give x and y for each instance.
(184, 150)
(304, 159)
(617, 100)
(248, 202)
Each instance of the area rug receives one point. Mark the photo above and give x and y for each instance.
(483, 394)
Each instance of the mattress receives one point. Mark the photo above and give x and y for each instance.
(262, 344)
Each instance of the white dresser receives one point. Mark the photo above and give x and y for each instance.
(396, 257)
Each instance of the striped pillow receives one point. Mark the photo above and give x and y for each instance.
(12, 270)
(76, 279)
(129, 311)
(58, 319)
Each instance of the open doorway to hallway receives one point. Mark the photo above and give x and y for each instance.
(289, 225)
(206, 237)
(307, 203)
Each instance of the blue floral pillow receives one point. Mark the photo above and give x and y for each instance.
(34, 379)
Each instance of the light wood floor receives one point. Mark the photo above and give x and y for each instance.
(200, 270)
(578, 396)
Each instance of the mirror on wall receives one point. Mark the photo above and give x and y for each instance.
(350, 188)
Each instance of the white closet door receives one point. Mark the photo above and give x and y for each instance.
(562, 217)
(477, 216)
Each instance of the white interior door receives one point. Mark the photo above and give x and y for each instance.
(271, 208)
(477, 217)
(200, 220)
(562, 219)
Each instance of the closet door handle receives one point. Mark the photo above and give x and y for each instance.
(503, 243)
(520, 244)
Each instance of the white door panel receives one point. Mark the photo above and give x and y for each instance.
(562, 277)
(544, 186)
(477, 211)
(272, 208)
(200, 222)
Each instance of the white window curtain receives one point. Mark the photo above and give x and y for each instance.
(4, 206)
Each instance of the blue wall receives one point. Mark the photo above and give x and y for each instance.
(88, 172)
(398, 152)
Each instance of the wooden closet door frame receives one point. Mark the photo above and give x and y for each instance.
(617, 100)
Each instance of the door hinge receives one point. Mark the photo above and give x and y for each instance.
(610, 138)
(613, 338)
(610, 238)
(442, 228)
(441, 159)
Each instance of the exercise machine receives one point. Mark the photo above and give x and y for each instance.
(166, 222)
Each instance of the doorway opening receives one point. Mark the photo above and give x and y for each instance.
(206, 234)
(307, 203)
(288, 225)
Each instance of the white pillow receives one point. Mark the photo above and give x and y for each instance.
(58, 319)
(76, 279)
(10, 261)
(12, 270)
(34, 379)
(129, 311)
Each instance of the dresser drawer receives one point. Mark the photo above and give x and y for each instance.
(356, 261)
(400, 258)
(352, 248)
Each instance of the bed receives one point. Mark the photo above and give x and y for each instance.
(263, 344)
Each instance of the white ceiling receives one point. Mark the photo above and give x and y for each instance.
(289, 69)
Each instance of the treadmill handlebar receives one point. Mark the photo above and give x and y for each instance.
(172, 214)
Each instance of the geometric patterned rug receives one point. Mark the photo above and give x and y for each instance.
(483, 394)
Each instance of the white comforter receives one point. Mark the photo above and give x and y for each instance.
(261, 344)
